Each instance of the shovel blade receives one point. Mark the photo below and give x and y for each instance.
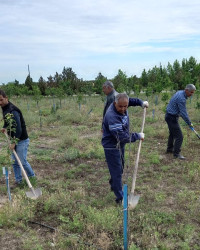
(34, 193)
(133, 201)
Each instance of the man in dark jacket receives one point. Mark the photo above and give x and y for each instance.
(110, 92)
(18, 132)
(115, 135)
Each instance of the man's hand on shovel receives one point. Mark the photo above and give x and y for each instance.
(4, 130)
(141, 135)
(12, 146)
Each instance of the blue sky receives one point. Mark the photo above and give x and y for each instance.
(94, 36)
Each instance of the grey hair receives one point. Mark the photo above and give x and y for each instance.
(121, 96)
(108, 84)
(3, 93)
(190, 87)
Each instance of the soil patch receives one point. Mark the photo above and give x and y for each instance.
(3, 200)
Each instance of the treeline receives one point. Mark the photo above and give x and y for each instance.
(172, 77)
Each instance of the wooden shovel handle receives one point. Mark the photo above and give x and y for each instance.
(20, 164)
(138, 154)
(22, 168)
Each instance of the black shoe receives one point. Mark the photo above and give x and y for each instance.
(119, 202)
(181, 157)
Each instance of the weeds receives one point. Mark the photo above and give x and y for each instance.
(68, 159)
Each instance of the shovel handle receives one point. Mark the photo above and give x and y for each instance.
(20, 164)
(23, 171)
(143, 120)
(136, 168)
(195, 132)
(138, 155)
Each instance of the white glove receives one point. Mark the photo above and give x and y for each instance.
(145, 104)
(141, 135)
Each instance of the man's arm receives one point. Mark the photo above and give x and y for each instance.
(183, 112)
(18, 128)
(138, 102)
(135, 102)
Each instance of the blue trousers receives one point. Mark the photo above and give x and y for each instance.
(21, 150)
(115, 161)
(175, 138)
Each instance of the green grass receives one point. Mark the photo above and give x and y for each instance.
(69, 162)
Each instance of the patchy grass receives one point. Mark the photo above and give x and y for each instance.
(77, 208)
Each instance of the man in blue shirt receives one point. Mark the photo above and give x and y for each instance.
(115, 135)
(176, 108)
(18, 132)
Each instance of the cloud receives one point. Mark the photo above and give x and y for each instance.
(52, 33)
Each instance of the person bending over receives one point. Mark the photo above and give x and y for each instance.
(175, 109)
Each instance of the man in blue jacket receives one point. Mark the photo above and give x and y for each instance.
(176, 108)
(115, 136)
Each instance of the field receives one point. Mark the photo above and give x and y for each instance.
(77, 209)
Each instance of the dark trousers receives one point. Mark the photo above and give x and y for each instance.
(175, 134)
(115, 161)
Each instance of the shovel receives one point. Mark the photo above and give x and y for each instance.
(34, 193)
(133, 199)
(195, 132)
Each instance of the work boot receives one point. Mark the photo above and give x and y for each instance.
(181, 157)
(119, 202)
